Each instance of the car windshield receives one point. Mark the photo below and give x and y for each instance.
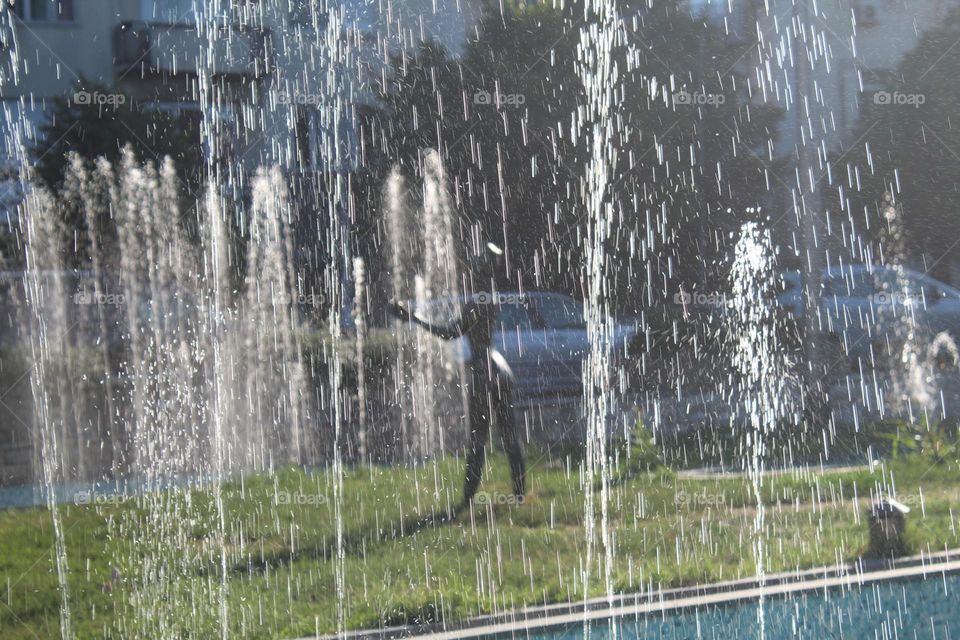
(514, 316)
(883, 285)
(560, 313)
(857, 284)
(786, 283)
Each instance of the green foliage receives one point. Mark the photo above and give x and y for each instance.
(104, 122)
(939, 443)
(412, 614)
(913, 132)
(786, 443)
(281, 545)
(636, 453)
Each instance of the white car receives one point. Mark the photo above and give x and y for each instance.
(871, 309)
(543, 338)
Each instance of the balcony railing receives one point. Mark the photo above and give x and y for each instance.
(161, 48)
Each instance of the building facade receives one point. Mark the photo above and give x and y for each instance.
(271, 72)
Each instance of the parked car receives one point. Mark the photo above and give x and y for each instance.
(543, 338)
(870, 310)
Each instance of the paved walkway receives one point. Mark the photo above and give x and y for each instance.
(723, 474)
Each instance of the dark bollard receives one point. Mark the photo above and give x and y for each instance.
(887, 524)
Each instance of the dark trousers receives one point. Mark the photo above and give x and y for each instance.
(492, 399)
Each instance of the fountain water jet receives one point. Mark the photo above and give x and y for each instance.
(46, 306)
(360, 329)
(275, 374)
(760, 365)
(599, 74)
(424, 258)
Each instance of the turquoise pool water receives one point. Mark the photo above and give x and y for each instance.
(891, 610)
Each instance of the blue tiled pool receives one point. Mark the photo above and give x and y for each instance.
(894, 610)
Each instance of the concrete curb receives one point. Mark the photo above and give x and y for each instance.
(543, 618)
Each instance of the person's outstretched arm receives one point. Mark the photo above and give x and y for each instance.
(446, 332)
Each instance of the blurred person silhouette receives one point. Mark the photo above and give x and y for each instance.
(490, 391)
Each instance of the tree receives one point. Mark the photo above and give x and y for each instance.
(501, 116)
(97, 121)
(911, 151)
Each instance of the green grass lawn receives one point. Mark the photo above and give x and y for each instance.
(151, 566)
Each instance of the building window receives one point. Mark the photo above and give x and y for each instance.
(43, 10)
